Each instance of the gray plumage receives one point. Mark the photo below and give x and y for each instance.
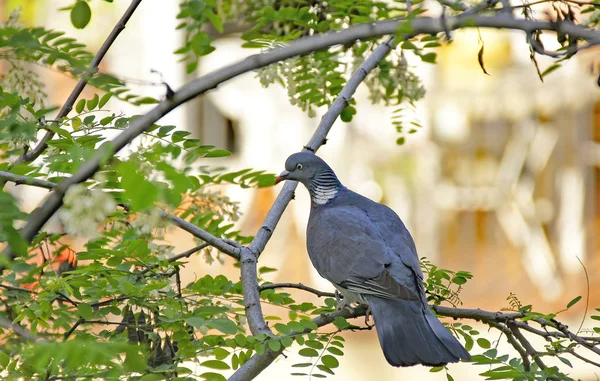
(365, 250)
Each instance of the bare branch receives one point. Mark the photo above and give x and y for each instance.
(215, 242)
(527, 346)
(299, 286)
(14, 288)
(582, 358)
(68, 106)
(515, 343)
(18, 330)
(25, 180)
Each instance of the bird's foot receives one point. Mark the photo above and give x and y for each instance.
(368, 317)
(341, 302)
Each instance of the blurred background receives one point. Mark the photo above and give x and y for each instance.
(502, 180)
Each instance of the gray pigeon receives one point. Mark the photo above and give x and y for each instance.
(365, 250)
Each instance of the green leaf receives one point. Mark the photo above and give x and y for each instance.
(224, 325)
(79, 106)
(81, 14)
(215, 20)
(216, 364)
(330, 361)
(218, 153)
(195, 321)
(259, 348)
(314, 344)
(282, 328)
(429, 57)
(401, 140)
(325, 369)
(4, 359)
(265, 270)
(308, 352)
(241, 340)
(220, 353)
(201, 44)
(92, 103)
(274, 345)
(574, 301)
(287, 341)
(211, 376)
(347, 114)
(85, 310)
(459, 280)
(141, 192)
(565, 361)
(145, 101)
(295, 326)
(550, 69)
(104, 99)
(483, 343)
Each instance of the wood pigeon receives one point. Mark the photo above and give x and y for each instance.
(365, 250)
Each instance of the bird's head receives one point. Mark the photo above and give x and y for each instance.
(302, 167)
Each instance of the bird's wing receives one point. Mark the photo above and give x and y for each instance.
(397, 240)
(347, 249)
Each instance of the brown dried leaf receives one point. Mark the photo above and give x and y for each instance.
(480, 60)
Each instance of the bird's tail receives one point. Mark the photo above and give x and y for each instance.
(410, 334)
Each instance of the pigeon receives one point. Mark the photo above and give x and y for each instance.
(364, 249)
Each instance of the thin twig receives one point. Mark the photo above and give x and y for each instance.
(68, 106)
(217, 243)
(14, 288)
(587, 295)
(582, 358)
(73, 328)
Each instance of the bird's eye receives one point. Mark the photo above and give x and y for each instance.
(299, 166)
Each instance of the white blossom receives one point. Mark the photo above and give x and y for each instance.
(85, 209)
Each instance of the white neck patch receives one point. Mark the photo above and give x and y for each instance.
(321, 195)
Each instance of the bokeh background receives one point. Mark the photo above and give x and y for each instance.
(502, 180)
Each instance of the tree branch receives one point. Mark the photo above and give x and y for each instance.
(299, 286)
(529, 349)
(18, 330)
(14, 288)
(215, 242)
(515, 343)
(25, 180)
(68, 106)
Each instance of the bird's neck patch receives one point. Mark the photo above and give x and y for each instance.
(324, 187)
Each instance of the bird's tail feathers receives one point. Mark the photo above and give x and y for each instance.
(410, 334)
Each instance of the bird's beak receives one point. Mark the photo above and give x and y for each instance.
(282, 176)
